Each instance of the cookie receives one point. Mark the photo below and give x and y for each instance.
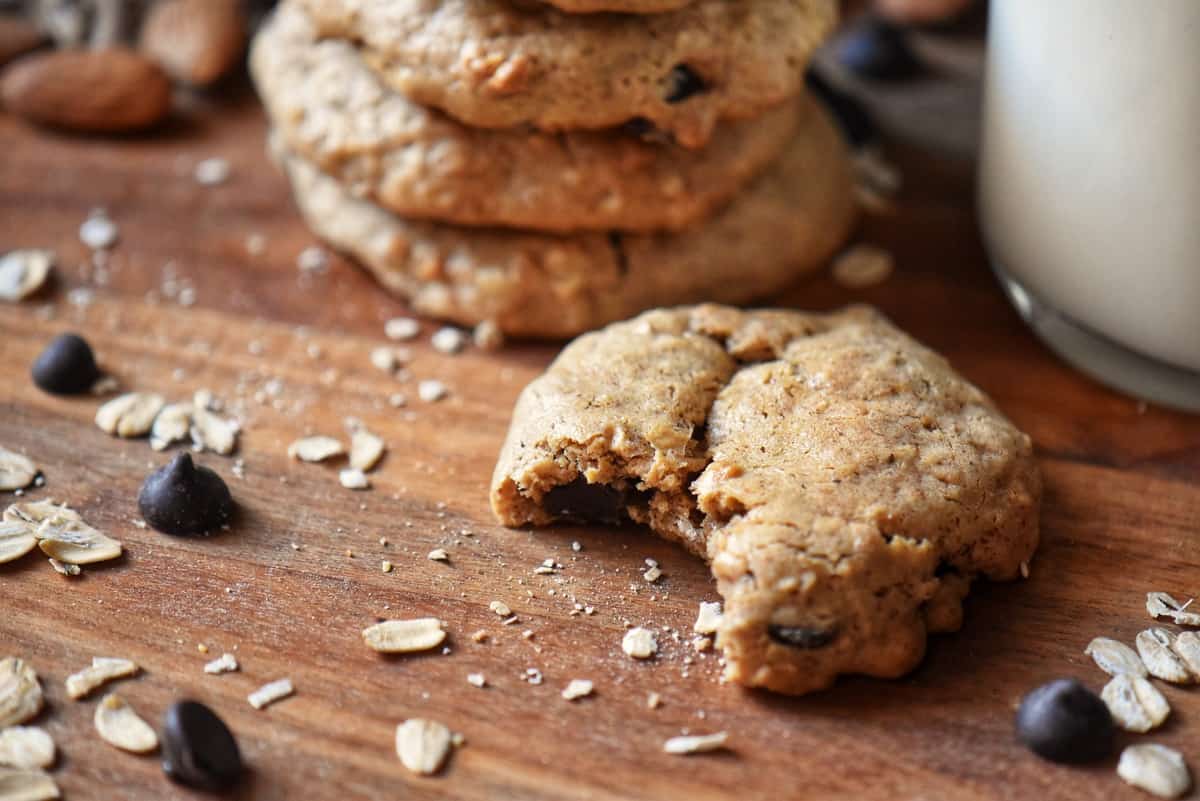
(783, 225)
(619, 6)
(331, 109)
(497, 64)
(844, 483)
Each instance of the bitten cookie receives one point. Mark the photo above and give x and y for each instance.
(497, 64)
(845, 484)
(332, 110)
(786, 223)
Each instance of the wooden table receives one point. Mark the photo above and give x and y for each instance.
(1120, 518)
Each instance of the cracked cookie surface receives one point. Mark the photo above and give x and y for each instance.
(844, 483)
(498, 64)
(786, 223)
(331, 109)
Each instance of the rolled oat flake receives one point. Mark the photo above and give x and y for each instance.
(198, 748)
(1156, 769)
(1157, 649)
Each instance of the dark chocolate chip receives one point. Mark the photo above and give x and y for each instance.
(66, 366)
(856, 123)
(587, 503)
(1064, 721)
(198, 748)
(801, 636)
(185, 499)
(682, 83)
(878, 50)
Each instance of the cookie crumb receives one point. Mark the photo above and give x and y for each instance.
(449, 340)
(98, 232)
(102, 670)
(211, 171)
(225, 663)
(401, 329)
(653, 700)
(313, 259)
(488, 336)
(696, 744)
(577, 688)
(270, 693)
(477, 680)
(639, 643)
(386, 566)
(354, 479)
(708, 619)
(862, 267)
(500, 608)
(438, 555)
(431, 390)
(315, 449)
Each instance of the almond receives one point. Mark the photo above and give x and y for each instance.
(98, 91)
(196, 41)
(17, 37)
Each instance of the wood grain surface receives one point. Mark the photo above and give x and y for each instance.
(1121, 517)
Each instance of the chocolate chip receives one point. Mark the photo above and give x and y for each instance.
(587, 503)
(801, 636)
(66, 366)
(856, 123)
(1064, 721)
(878, 50)
(682, 83)
(198, 748)
(185, 499)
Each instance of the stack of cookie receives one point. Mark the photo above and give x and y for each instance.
(554, 165)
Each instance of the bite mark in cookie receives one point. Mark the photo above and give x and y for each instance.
(844, 483)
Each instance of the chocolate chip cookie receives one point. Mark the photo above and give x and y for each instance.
(497, 64)
(784, 224)
(844, 483)
(331, 109)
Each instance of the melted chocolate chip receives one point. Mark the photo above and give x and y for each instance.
(185, 499)
(1064, 721)
(66, 366)
(878, 50)
(198, 748)
(801, 636)
(588, 503)
(682, 83)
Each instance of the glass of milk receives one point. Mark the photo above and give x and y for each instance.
(1090, 184)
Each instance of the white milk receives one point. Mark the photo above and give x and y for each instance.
(1090, 166)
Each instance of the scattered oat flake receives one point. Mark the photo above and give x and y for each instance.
(1158, 770)
(20, 784)
(315, 449)
(639, 643)
(386, 566)
(210, 431)
(225, 663)
(577, 688)
(701, 644)
(1161, 605)
(652, 574)
(431, 390)
(500, 608)
(65, 569)
(171, 425)
(130, 415)
(653, 700)
(20, 692)
(423, 745)
(24, 272)
(98, 232)
(863, 266)
(385, 359)
(1158, 654)
(16, 540)
(708, 619)
(270, 693)
(401, 328)
(366, 449)
(696, 743)
(120, 726)
(448, 340)
(26, 747)
(1114, 657)
(1135, 704)
(439, 555)
(404, 636)
(1187, 647)
(211, 171)
(76, 543)
(476, 680)
(354, 479)
(102, 670)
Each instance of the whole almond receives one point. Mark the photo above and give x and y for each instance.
(196, 41)
(17, 37)
(95, 91)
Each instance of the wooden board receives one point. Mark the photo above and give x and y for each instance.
(1120, 518)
